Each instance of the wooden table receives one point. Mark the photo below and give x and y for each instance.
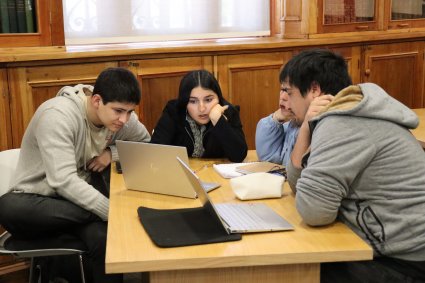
(419, 132)
(291, 256)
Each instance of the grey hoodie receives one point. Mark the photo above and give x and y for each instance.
(52, 159)
(366, 169)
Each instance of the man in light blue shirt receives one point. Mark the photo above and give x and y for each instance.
(276, 134)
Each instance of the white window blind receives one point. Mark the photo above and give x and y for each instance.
(119, 21)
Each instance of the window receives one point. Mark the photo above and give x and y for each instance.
(112, 21)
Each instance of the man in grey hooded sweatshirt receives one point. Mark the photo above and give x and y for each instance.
(356, 161)
(58, 187)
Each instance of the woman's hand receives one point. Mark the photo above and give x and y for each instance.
(216, 113)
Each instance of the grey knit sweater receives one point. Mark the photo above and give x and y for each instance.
(52, 159)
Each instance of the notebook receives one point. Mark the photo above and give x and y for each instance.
(262, 166)
(256, 167)
(228, 170)
(238, 217)
(153, 168)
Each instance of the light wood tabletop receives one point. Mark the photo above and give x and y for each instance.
(291, 256)
(419, 132)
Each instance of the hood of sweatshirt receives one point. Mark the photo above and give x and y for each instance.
(78, 95)
(368, 100)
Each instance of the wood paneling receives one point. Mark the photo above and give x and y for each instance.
(399, 69)
(352, 58)
(32, 86)
(5, 129)
(160, 79)
(275, 18)
(249, 80)
(57, 25)
(252, 82)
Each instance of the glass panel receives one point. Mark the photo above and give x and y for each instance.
(18, 17)
(407, 9)
(348, 11)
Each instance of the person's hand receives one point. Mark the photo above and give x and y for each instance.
(216, 113)
(304, 137)
(282, 115)
(99, 163)
(317, 105)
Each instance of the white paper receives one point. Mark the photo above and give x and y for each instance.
(228, 170)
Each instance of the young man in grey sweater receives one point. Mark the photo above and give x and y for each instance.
(58, 186)
(356, 161)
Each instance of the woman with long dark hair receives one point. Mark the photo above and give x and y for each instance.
(202, 120)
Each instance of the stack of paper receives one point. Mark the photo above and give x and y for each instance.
(228, 170)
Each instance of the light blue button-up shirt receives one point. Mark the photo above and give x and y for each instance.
(274, 141)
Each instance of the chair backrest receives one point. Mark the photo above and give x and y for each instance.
(8, 161)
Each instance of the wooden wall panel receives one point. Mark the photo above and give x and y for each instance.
(160, 79)
(399, 69)
(5, 127)
(352, 57)
(31, 86)
(252, 82)
(157, 91)
(248, 80)
(297, 17)
(254, 107)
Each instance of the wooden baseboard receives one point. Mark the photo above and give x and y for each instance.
(14, 267)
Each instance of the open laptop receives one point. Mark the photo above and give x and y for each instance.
(153, 168)
(238, 217)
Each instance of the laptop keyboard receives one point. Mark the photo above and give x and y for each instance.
(242, 217)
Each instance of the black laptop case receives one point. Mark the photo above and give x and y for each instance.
(183, 227)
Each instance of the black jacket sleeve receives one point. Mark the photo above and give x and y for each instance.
(228, 131)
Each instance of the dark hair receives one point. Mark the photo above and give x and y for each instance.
(117, 85)
(320, 66)
(196, 78)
